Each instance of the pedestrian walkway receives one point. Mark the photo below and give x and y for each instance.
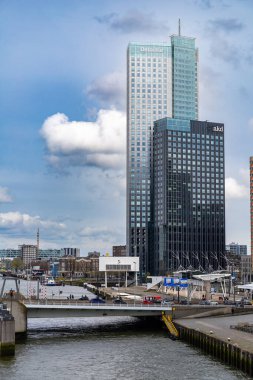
(219, 327)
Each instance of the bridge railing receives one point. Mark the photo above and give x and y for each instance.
(91, 304)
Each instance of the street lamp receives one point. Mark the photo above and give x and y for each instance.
(119, 272)
(178, 297)
(135, 273)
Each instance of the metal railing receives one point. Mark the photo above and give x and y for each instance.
(92, 304)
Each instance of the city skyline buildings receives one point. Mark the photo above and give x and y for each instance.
(162, 81)
(188, 196)
(72, 201)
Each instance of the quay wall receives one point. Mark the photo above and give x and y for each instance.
(7, 332)
(226, 352)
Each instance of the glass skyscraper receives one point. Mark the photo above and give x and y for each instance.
(188, 196)
(162, 81)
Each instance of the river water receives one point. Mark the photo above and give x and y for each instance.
(106, 349)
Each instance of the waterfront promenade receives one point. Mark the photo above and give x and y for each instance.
(215, 337)
(219, 327)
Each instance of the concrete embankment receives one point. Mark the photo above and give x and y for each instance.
(215, 337)
(7, 332)
(19, 312)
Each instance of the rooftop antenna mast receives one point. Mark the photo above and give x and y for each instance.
(179, 27)
(38, 241)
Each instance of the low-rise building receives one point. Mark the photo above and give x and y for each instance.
(119, 265)
(75, 252)
(10, 253)
(246, 269)
(78, 267)
(119, 250)
(237, 249)
(93, 254)
(50, 254)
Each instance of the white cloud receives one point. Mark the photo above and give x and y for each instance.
(103, 236)
(4, 195)
(245, 175)
(96, 231)
(16, 220)
(100, 143)
(133, 21)
(234, 189)
(109, 89)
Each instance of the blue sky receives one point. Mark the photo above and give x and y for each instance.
(62, 105)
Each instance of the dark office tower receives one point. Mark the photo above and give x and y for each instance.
(162, 81)
(188, 204)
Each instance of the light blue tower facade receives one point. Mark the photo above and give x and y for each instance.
(184, 78)
(162, 81)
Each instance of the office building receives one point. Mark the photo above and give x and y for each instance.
(75, 252)
(28, 253)
(50, 254)
(236, 248)
(246, 269)
(119, 250)
(188, 199)
(162, 80)
(93, 254)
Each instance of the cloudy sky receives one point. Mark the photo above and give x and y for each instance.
(62, 105)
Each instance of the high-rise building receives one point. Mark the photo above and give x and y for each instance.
(162, 80)
(188, 197)
(28, 253)
(237, 249)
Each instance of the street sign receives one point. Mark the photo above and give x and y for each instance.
(175, 281)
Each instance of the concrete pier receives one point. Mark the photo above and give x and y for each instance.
(215, 337)
(19, 312)
(7, 332)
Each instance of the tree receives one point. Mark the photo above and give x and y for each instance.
(17, 263)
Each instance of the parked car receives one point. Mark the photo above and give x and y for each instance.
(204, 302)
(229, 302)
(169, 299)
(245, 301)
(97, 300)
(119, 301)
(83, 298)
(183, 302)
(166, 303)
(147, 302)
(214, 303)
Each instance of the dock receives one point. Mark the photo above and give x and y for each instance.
(215, 336)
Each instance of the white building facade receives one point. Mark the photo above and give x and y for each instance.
(120, 265)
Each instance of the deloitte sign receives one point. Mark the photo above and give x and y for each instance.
(174, 282)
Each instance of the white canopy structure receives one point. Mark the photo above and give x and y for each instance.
(246, 286)
(211, 276)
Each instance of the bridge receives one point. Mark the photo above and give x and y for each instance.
(65, 309)
(24, 309)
